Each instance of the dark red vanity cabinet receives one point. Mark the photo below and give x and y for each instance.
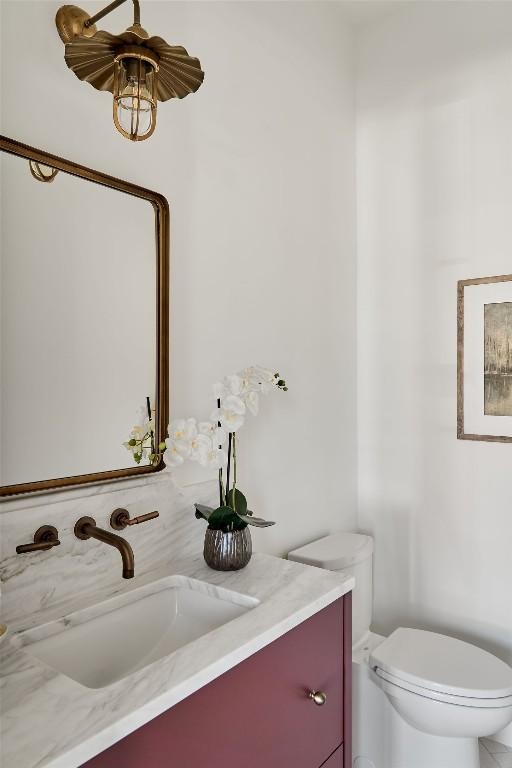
(258, 714)
(335, 760)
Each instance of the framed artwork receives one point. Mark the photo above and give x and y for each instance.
(484, 359)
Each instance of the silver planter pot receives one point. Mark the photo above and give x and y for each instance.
(229, 551)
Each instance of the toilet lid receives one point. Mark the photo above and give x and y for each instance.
(443, 664)
(335, 552)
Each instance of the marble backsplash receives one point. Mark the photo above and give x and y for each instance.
(41, 581)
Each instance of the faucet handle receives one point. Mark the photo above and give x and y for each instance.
(120, 518)
(45, 538)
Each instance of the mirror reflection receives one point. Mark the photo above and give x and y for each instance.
(77, 323)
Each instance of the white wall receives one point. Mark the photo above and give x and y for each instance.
(258, 167)
(434, 169)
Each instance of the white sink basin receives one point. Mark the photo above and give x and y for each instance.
(104, 643)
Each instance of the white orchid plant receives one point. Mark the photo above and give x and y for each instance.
(141, 442)
(213, 443)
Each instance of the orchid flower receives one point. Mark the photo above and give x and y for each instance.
(252, 401)
(141, 439)
(231, 413)
(200, 447)
(216, 458)
(178, 444)
(173, 455)
(210, 429)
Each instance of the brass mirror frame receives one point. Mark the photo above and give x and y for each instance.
(161, 208)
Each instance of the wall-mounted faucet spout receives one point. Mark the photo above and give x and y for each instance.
(86, 528)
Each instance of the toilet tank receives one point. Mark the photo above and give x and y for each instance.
(352, 553)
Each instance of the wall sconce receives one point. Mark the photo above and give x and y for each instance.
(137, 69)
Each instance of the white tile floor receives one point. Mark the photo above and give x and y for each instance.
(494, 755)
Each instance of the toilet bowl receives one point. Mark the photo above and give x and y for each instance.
(420, 699)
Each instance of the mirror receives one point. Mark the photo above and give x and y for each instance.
(83, 321)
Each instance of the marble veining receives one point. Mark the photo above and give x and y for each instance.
(50, 721)
(39, 583)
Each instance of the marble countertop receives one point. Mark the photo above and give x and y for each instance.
(51, 721)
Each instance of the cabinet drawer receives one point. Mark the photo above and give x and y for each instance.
(335, 760)
(257, 714)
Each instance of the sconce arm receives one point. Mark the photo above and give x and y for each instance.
(115, 4)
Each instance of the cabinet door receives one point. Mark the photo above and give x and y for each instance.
(335, 760)
(256, 715)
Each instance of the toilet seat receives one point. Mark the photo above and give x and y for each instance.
(443, 668)
(445, 698)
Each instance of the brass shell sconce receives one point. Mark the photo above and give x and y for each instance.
(137, 69)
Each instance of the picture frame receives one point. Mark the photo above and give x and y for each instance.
(484, 359)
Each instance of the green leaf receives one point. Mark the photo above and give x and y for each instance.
(137, 457)
(162, 447)
(258, 522)
(237, 501)
(132, 442)
(202, 511)
(220, 517)
(225, 519)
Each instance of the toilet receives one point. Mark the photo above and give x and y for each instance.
(420, 699)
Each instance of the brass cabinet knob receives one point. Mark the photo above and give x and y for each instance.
(319, 697)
